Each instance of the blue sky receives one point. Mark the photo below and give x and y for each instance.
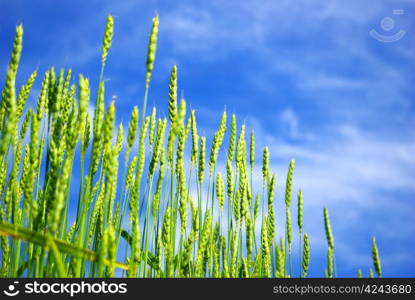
(305, 75)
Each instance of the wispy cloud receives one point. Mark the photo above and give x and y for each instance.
(292, 125)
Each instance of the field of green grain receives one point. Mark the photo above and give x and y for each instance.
(178, 213)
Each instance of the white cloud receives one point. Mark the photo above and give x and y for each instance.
(349, 166)
(291, 120)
